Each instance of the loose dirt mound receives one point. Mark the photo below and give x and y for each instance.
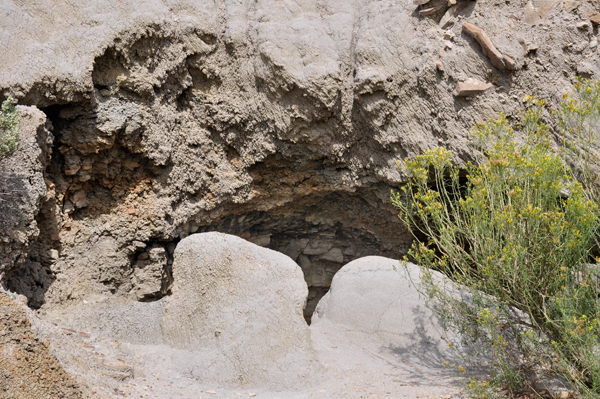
(27, 371)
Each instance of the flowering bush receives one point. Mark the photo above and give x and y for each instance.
(9, 127)
(517, 232)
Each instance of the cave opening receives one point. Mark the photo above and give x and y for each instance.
(101, 219)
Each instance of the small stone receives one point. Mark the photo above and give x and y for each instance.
(582, 25)
(84, 335)
(496, 58)
(72, 171)
(448, 35)
(138, 245)
(451, 3)
(212, 392)
(334, 255)
(54, 254)
(448, 44)
(594, 17)
(593, 43)
(251, 394)
(448, 18)
(442, 53)
(420, 2)
(68, 207)
(429, 11)
(439, 65)
(446, 396)
(262, 240)
(80, 199)
(469, 87)
(570, 6)
(68, 331)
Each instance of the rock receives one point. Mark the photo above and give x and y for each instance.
(552, 385)
(138, 245)
(582, 25)
(262, 240)
(317, 247)
(439, 65)
(469, 87)
(241, 306)
(80, 199)
(496, 58)
(334, 255)
(249, 119)
(149, 275)
(430, 11)
(449, 17)
(376, 297)
(594, 16)
(23, 189)
(448, 35)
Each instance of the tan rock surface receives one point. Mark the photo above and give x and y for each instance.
(469, 87)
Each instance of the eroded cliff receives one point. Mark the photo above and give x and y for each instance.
(278, 121)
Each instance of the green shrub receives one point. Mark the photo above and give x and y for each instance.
(517, 233)
(9, 128)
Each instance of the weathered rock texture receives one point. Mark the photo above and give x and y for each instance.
(23, 190)
(378, 298)
(241, 306)
(279, 121)
(235, 318)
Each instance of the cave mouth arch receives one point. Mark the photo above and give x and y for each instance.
(117, 211)
(322, 233)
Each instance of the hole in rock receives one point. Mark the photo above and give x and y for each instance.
(122, 193)
(97, 178)
(322, 234)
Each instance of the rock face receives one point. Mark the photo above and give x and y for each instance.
(376, 297)
(234, 318)
(241, 306)
(281, 122)
(23, 190)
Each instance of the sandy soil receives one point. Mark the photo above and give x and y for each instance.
(27, 370)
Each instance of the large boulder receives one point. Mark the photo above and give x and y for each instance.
(242, 306)
(377, 300)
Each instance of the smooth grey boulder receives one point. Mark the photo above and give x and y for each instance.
(241, 306)
(377, 299)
